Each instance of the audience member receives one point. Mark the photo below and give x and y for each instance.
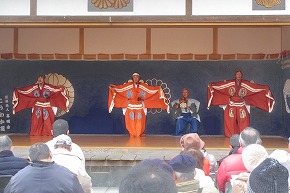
(201, 162)
(188, 178)
(184, 170)
(61, 127)
(234, 145)
(192, 140)
(270, 176)
(283, 157)
(145, 178)
(62, 155)
(43, 175)
(233, 164)
(204, 180)
(158, 163)
(9, 164)
(252, 156)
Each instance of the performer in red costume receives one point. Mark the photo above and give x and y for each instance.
(44, 99)
(135, 97)
(236, 97)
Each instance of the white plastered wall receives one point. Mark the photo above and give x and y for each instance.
(286, 38)
(182, 40)
(6, 40)
(249, 40)
(115, 40)
(48, 40)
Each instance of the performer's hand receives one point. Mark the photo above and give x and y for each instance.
(252, 81)
(176, 106)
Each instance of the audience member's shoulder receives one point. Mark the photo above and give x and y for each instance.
(62, 170)
(232, 158)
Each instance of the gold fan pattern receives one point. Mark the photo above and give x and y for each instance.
(166, 90)
(104, 4)
(59, 80)
(268, 3)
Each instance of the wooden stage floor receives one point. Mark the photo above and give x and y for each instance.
(154, 142)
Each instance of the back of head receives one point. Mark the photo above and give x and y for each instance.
(253, 155)
(269, 176)
(250, 136)
(234, 140)
(144, 178)
(158, 163)
(184, 167)
(196, 154)
(39, 152)
(60, 127)
(5, 143)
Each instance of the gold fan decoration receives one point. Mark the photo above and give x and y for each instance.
(269, 3)
(59, 80)
(104, 4)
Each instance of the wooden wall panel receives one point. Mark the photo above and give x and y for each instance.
(6, 40)
(182, 40)
(48, 40)
(115, 40)
(286, 38)
(249, 40)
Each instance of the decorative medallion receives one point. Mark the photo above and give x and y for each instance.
(242, 113)
(45, 114)
(142, 94)
(129, 94)
(36, 93)
(104, 4)
(242, 92)
(232, 91)
(269, 3)
(38, 113)
(131, 115)
(139, 116)
(231, 113)
(46, 94)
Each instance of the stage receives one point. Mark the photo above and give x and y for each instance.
(99, 144)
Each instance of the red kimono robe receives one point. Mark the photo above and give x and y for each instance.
(41, 99)
(135, 99)
(237, 99)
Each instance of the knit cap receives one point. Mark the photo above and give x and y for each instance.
(253, 155)
(183, 163)
(268, 177)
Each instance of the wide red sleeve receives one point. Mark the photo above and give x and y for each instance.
(155, 97)
(217, 93)
(58, 96)
(24, 98)
(117, 96)
(259, 96)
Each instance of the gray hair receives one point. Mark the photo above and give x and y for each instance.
(5, 143)
(183, 177)
(38, 152)
(147, 179)
(250, 136)
(60, 127)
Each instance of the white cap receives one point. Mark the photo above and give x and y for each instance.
(135, 74)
